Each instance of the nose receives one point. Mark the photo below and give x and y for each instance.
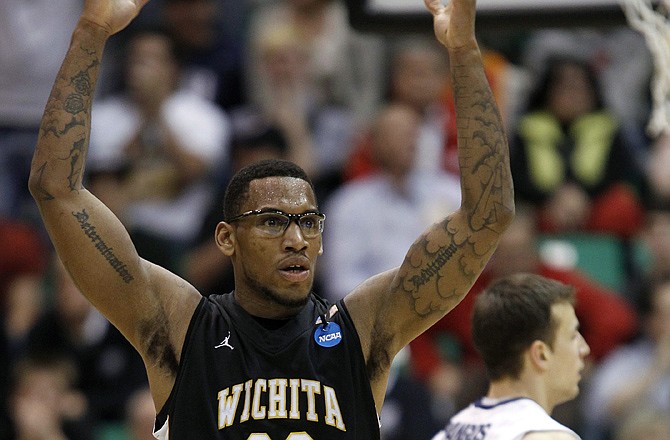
(585, 350)
(293, 238)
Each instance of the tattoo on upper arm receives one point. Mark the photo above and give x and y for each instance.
(91, 232)
(425, 264)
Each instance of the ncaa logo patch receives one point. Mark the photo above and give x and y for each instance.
(328, 336)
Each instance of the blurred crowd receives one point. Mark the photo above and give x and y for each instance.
(196, 89)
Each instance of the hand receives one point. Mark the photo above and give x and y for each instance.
(454, 24)
(111, 15)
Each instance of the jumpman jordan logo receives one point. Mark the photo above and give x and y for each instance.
(225, 343)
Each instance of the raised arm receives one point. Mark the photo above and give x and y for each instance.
(136, 296)
(393, 308)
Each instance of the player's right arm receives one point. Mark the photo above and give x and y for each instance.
(149, 305)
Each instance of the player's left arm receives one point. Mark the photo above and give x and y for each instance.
(393, 308)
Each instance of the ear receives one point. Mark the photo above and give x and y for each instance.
(539, 355)
(225, 238)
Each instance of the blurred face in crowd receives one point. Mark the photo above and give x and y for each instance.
(516, 250)
(284, 59)
(395, 137)
(193, 23)
(152, 71)
(418, 77)
(571, 93)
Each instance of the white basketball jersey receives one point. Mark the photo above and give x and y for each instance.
(500, 420)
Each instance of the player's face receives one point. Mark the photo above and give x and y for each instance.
(274, 274)
(567, 356)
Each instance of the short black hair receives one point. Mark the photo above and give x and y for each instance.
(238, 187)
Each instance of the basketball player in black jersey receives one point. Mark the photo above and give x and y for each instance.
(270, 360)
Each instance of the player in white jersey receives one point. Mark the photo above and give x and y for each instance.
(526, 331)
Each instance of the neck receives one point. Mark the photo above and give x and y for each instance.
(504, 389)
(259, 306)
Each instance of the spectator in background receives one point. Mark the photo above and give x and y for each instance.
(644, 424)
(108, 369)
(44, 403)
(570, 157)
(652, 251)
(397, 201)
(23, 259)
(409, 412)
(172, 141)
(28, 63)
(209, 46)
(657, 189)
(417, 77)
(319, 130)
(342, 65)
(619, 55)
(635, 376)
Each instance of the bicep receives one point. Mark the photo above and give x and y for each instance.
(438, 271)
(99, 255)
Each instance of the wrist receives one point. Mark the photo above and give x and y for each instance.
(91, 31)
(465, 51)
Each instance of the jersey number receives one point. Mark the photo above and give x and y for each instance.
(291, 436)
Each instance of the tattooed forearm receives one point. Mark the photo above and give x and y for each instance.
(82, 81)
(106, 251)
(76, 102)
(64, 132)
(484, 158)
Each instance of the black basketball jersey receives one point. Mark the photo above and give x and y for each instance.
(238, 380)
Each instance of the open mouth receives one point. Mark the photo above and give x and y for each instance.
(295, 268)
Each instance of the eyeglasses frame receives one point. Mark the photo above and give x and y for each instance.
(292, 218)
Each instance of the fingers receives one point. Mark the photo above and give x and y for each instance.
(434, 6)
